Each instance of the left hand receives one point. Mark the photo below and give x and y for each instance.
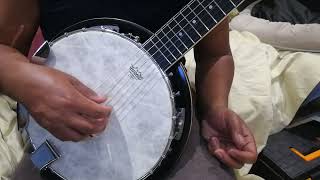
(228, 137)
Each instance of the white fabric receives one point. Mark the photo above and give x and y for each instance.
(283, 35)
(268, 86)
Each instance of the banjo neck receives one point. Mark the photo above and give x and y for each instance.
(182, 32)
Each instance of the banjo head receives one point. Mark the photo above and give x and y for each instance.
(141, 126)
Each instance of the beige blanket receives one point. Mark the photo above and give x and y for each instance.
(11, 147)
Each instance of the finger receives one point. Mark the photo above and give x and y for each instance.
(87, 92)
(86, 126)
(250, 145)
(67, 134)
(215, 144)
(90, 108)
(206, 131)
(226, 159)
(243, 156)
(235, 126)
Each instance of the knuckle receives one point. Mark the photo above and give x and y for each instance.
(91, 129)
(66, 101)
(102, 127)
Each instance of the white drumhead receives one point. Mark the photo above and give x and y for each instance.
(141, 124)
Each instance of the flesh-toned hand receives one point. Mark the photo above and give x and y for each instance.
(228, 137)
(59, 102)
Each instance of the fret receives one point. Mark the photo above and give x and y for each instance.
(236, 2)
(219, 7)
(153, 50)
(207, 19)
(148, 45)
(156, 53)
(225, 5)
(177, 42)
(186, 28)
(204, 15)
(196, 8)
(183, 35)
(189, 29)
(213, 10)
(164, 49)
(167, 54)
(161, 60)
(162, 36)
(233, 3)
(175, 39)
(168, 43)
(175, 28)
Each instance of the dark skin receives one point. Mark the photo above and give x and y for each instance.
(71, 111)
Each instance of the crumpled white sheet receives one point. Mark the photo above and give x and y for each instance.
(268, 86)
(11, 145)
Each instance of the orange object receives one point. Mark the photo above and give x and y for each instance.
(312, 156)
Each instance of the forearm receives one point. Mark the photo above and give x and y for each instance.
(213, 80)
(11, 62)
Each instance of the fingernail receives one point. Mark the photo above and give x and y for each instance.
(101, 119)
(219, 155)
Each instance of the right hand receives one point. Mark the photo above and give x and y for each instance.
(59, 102)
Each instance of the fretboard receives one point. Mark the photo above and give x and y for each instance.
(187, 28)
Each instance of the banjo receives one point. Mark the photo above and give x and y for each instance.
(149, 90)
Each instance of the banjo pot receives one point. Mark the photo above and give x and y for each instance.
(141, 137)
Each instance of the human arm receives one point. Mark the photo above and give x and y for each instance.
(58, 101)
(228, 137)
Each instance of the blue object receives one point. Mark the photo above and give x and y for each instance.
(44, 155)
(313, 96)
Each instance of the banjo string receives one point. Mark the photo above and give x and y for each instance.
(121, 97)
(145, 61)
(158, 49)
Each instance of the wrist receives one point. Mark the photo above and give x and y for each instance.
(11, 73)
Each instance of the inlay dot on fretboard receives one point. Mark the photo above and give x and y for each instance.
(187, 28)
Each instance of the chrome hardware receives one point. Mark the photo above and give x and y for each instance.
(133, 37)
(177, 94)
(41, 55)
(179, 123)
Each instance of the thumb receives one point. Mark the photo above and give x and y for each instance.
(87, 92)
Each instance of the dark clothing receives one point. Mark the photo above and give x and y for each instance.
(56, 15)
(293, 11)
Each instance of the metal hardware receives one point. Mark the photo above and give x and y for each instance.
(44, 155)
(179, 123)
(177, 94)
(41, 54)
